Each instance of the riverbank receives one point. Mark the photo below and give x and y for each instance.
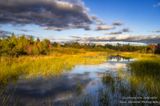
(60, 60)
(77, 76)
(47, 65)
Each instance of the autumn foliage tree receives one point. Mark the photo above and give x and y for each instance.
(22, 45)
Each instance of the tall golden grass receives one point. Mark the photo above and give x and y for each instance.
(45, 66)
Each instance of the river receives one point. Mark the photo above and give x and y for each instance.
(90, 85)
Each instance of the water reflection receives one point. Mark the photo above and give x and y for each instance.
(96, 85)
(119, 58)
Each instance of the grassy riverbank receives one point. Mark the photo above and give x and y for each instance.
(45, 66)
(63, 59)
(146, 74)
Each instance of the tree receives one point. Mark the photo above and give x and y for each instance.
(157, 49)
(22, 45)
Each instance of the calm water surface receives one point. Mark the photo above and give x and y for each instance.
(90, 85)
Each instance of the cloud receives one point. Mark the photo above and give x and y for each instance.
(115, 33)
(117, 23)
(104, 27)
(54, 14)
(124, 30)
(24, 30)
(157, 5)
(54, 28)
(157, 31)
(125, 38)
(97, 20)
(4, 34)
(75, 37)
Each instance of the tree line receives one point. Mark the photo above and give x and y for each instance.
(91, 46)
(152, 48)
(23, 45)
(27, 45)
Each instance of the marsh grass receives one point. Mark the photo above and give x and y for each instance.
(146, 66)
(107, 79)
(138, 56)
(45, 66)
(146, 72)
(146, 84)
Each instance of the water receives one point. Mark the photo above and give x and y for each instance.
(96, 85)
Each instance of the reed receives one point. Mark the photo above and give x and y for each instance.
(146, 72)
(45, 66)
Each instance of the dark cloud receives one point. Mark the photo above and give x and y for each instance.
(157, 31)
(75, 37)
(4, 34)
(97, 20)
(54, 28)
(115, 33)
(24, 30)
(57, 14)
(125, 38)
(126, 30)
(117, 23)
(102, 26)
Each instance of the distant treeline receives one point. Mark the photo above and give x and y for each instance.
(153, 49)
(27, 45)
(118, 47)
(22, 45)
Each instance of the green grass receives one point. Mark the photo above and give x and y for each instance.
(146, 66)
(139, 56)
(146, 72)
(45, 66)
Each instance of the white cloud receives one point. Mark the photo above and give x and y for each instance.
(104, 27)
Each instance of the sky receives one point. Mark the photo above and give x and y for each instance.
(87, 20)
